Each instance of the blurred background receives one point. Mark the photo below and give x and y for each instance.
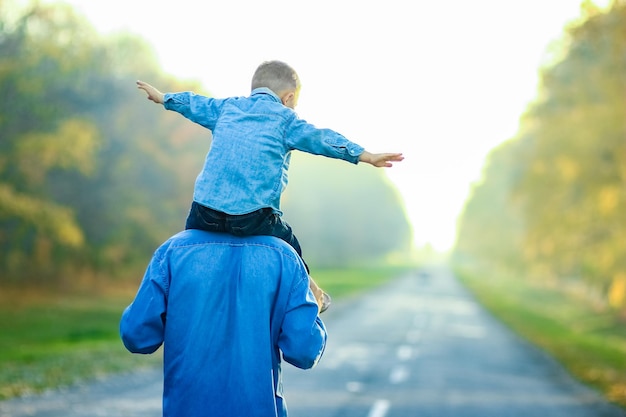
(511, 117)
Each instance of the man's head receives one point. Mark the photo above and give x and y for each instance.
(281, 79)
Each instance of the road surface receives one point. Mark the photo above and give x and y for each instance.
(419, 346)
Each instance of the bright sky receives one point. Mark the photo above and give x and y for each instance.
(441, 81)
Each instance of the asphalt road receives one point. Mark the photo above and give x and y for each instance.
(419, 346)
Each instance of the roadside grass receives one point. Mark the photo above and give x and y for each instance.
(61, 341)
(49, 341)
(343, 282)
(588, 340)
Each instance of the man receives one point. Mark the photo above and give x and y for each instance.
(225, 308)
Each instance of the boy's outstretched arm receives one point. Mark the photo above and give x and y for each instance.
(380, 160)
(153, 94)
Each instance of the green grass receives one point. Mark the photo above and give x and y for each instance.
(589, 341)
(47, 342)
(342, 282)
(58, 342)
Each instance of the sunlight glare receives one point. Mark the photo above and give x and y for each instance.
(442, 82)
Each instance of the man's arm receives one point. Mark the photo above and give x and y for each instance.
(143, 322)
(303, 335)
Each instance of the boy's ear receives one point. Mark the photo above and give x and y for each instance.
(287, 96)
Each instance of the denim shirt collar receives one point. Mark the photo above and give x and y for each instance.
(265, 90)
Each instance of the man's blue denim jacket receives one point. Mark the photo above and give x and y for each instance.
(226, 310)
(246, 167)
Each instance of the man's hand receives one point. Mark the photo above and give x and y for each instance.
(153, 94)
(380, 160)
(318, 293)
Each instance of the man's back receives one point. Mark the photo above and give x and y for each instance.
(223, 307)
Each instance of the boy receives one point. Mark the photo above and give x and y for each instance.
(245, 172)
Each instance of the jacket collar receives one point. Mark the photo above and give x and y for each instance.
(265, 90)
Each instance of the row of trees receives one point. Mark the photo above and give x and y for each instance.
(93, 176)
(552, 201)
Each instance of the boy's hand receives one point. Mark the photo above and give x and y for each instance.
(153, 94)
(380, 160)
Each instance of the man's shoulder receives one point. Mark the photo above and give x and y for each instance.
(200, 237)
(199, 244)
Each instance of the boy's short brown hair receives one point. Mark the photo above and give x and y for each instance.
(275, 75)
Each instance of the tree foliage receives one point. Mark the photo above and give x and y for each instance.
(76, 187)
(558, 190)
(92, 176)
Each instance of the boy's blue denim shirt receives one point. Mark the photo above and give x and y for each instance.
(246, 167)
(227, 310)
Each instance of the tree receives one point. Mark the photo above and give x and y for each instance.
(40, 132)
(565, 176)
(82, 159)
(574, 192)
(490, 228)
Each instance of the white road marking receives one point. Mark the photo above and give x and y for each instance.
(354, 386)
(398, 374)
(379, 409)
(404, 352)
